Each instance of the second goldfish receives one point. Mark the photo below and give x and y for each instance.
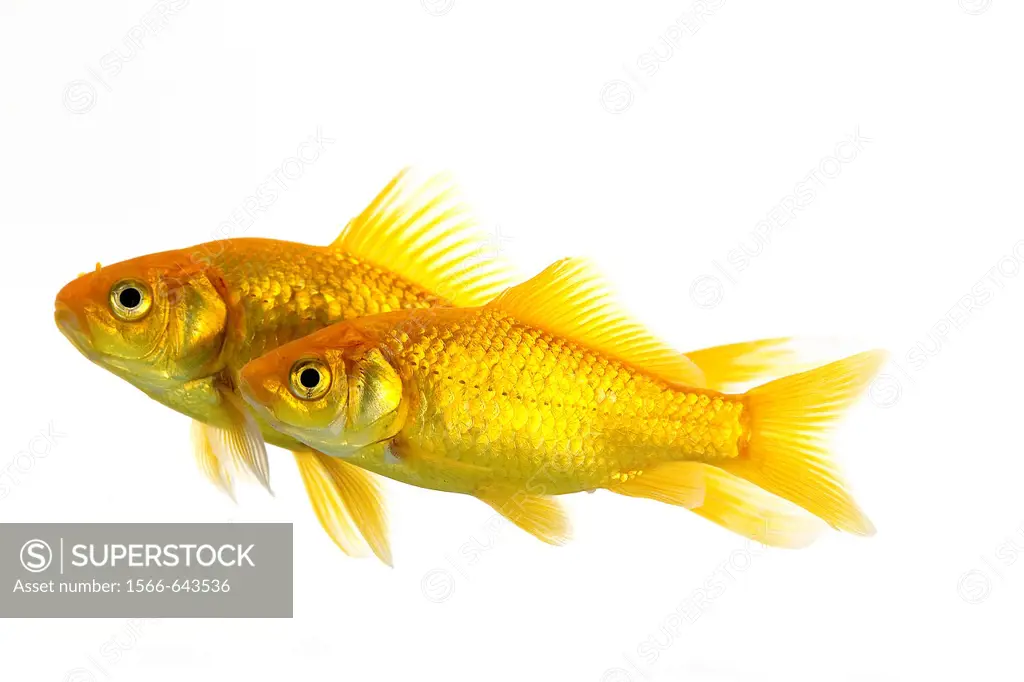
(550, 389)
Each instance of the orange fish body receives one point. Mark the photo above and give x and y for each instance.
(181, 324)
(547, 390)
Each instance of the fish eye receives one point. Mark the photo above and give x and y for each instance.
(130, 300)
(310, 379)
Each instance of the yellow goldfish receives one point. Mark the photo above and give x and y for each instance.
(550, 389)
(180, 325)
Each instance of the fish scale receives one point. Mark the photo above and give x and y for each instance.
(491, 392)
(285, 293)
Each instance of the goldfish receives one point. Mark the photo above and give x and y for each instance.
(550, 389)
(180, 325)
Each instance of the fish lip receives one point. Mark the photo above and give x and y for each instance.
(70, 325)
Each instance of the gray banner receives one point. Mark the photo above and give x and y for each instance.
(152, 570)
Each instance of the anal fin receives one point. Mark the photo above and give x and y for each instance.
(727, 500)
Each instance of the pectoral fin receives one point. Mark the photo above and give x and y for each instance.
(347, 502)
(238, 446)
(539, 515)
(212, 467)
(240, 443)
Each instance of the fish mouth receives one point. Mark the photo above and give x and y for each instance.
(71, 327)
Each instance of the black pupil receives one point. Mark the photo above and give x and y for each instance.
(309, 378)
(130, 297)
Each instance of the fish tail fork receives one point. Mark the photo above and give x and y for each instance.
(785, 454)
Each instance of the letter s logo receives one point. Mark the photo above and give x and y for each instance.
(36, 556)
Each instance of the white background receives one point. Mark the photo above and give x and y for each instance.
(571, 138)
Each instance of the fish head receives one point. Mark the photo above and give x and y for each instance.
(331, 390)
(156, 321)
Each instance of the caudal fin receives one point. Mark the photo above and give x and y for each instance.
(786, 455)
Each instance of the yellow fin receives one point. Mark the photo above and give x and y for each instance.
(211, 466)
(728, 367)
(328, 506)
(727, 500)
(539, 515)
(785, 455)
(347, 502)
(241, 443)
(571, 300)
(419, 230)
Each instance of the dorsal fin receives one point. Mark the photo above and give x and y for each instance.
(420, 230)
(570, 299)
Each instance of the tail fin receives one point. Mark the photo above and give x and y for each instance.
(785, 454)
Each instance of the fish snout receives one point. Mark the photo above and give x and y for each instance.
(71, 324)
